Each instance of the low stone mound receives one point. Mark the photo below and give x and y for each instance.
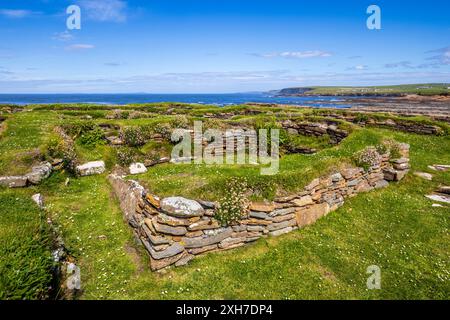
(37, 174)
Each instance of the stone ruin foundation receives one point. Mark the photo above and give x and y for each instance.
(174, 230)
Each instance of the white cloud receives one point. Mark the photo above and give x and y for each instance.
(112, 64)
(359, 67)
(401, 64)
(443, 56)
(63, 36)
(11, 13)
(80, 46)
(297, 54)
(210, 82)
(104, 10)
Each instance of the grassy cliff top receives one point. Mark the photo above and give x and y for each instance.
(426, 89)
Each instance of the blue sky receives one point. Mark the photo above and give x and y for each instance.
(214, 46)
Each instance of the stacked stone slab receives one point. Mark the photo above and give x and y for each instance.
(315, 129)
(397, 124)
(174, 230)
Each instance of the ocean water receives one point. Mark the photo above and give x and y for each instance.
(214, 99)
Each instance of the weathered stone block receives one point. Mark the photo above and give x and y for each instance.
(204, 225)
(353, 182)
(336, 177)
(207, 240)
(277, 226)
(389, 174)
(262, 206)
(172, 250)
(153, 200)
(159, 264)
(400, 160)
(14, 181)
(91, 168)
(241, 234)
(303, 201)
(158, 240)
(239, 228)
(311, 214)
(39, 173)
(137, 168)
(281, 231)
(192, 234)
(259, 215)
(201, 250)
(166, 229)
(363, 186)
(148, 222)
(424, 175)
(253, 221)
(181, 207)
(283, 218)
(255, 228)
(313, 184)
(39, 200)
(399, 175)
(444, 189)
(286, 199)
(207, 204)
(173, 221)
(184, 260)
(401, 166)
(351, 173)
(381, 184)
(280, 212)
(228, 242)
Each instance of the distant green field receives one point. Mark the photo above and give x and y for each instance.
(427, 89)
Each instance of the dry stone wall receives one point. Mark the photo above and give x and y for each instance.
(174, 230)
(316, 129)
(393, 124)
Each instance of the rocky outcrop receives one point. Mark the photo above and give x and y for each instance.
(174, 230)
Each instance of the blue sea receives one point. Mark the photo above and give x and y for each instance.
(214, 99)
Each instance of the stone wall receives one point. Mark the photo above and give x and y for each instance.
(315, 129)
(37, 174)
(397, 124)
(174, 230)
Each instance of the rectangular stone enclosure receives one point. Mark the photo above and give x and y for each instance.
(174, 230)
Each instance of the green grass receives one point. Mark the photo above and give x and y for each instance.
(26, 262)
